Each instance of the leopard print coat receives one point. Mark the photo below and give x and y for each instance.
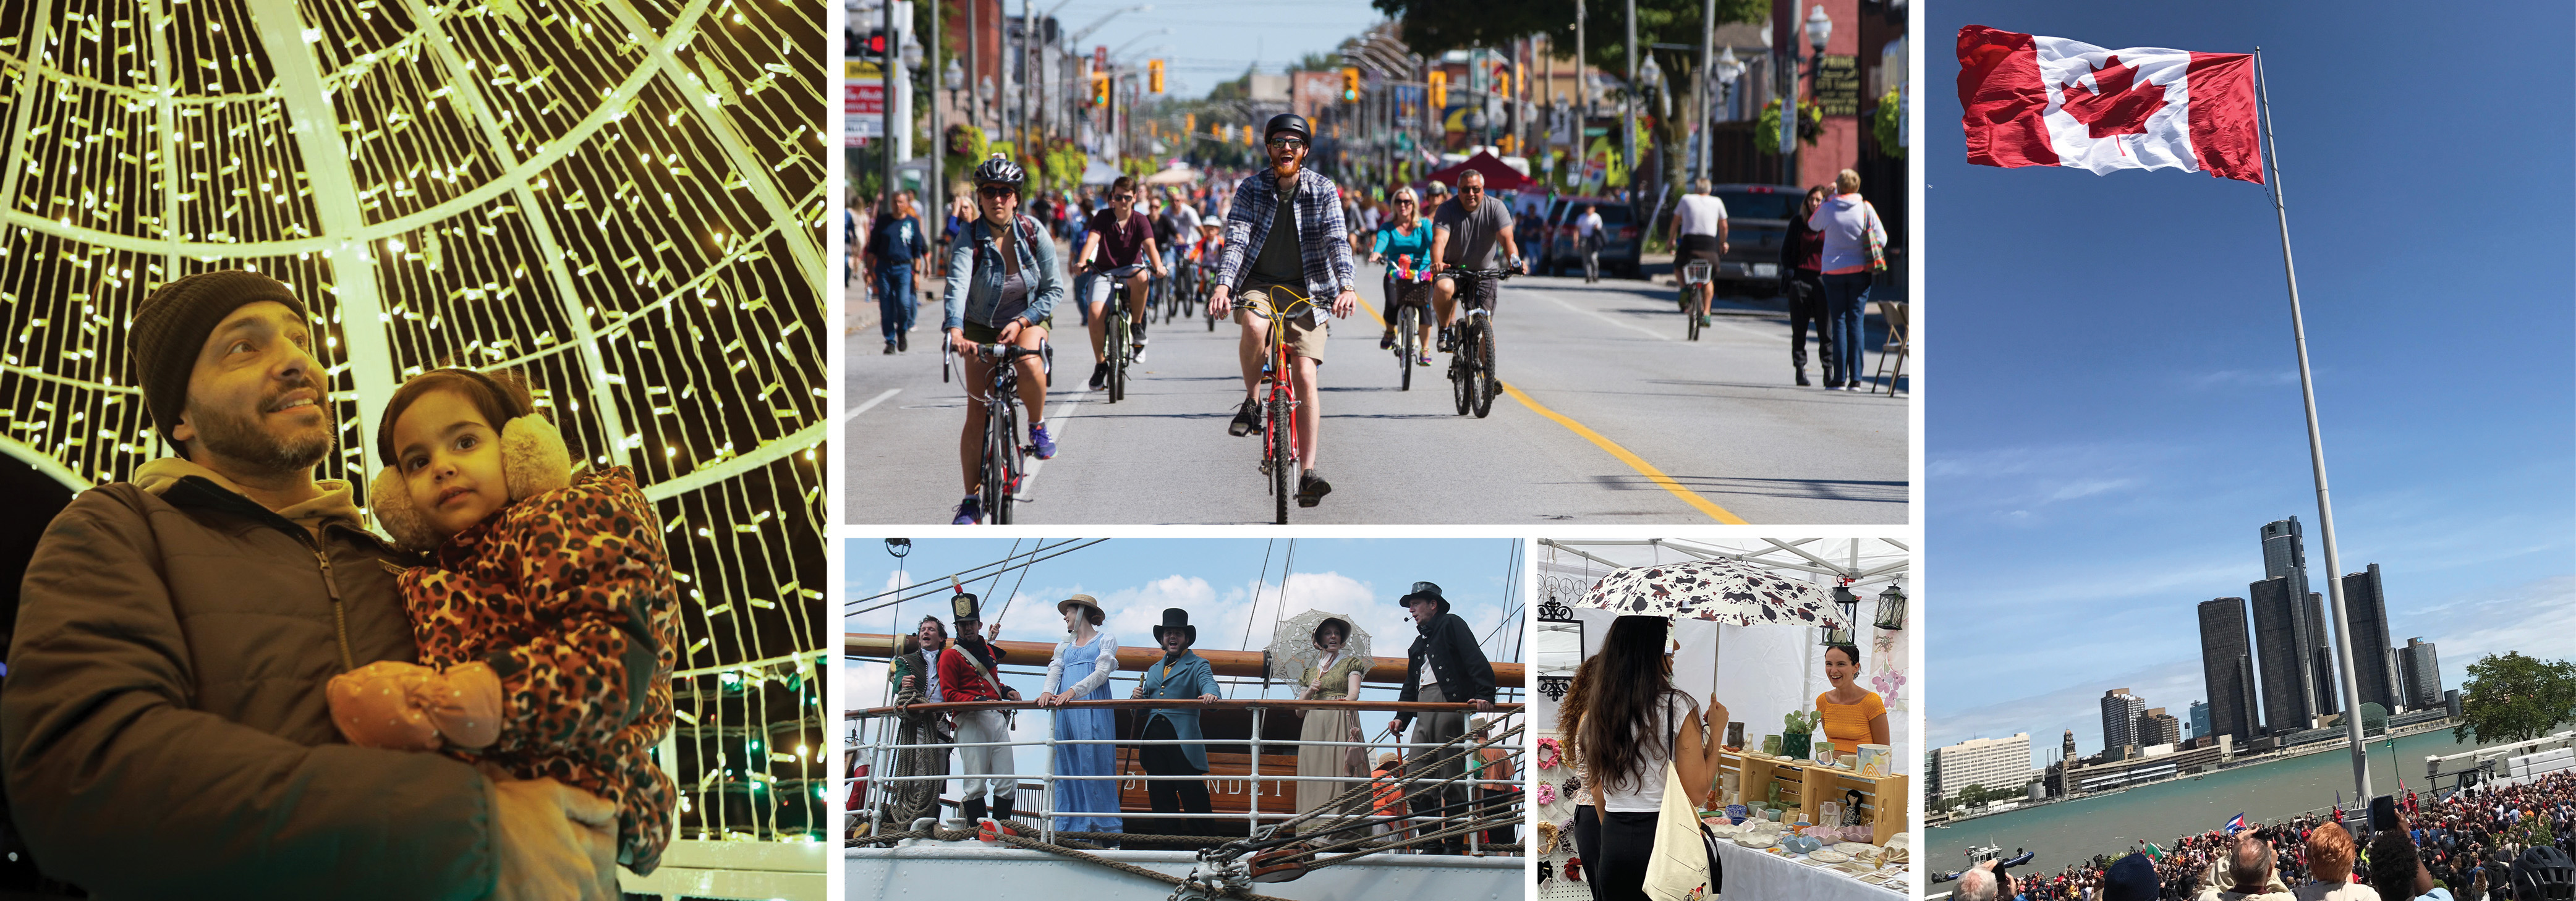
(568, 596)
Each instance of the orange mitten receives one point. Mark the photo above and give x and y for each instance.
(408, 707)
(465, 703)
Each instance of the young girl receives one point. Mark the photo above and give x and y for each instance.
(543, 612)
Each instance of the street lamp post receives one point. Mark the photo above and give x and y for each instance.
(1728, 70)
(1629, 151)
(1819, 27)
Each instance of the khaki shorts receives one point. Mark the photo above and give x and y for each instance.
(1305, 331)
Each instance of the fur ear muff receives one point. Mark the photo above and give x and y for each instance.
(390, 499)
(533, 457)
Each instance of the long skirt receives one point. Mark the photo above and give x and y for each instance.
(1086, 795)
(1324, 725)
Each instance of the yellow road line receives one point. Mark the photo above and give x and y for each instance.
(1657, 476)
(1635, 462)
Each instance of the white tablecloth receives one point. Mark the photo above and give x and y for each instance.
(1760, 876)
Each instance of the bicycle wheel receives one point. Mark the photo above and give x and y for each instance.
(1118, 352)
(1406, 330)
(1462, 371)
(1689, 315)
(1486, 383)
(1283, 463)
(1006, 443)
(995, 478)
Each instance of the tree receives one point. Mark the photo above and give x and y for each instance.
(2515, 698)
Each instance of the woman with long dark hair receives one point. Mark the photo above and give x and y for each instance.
(1634, 722)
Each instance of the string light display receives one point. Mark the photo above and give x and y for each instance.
(619, 199)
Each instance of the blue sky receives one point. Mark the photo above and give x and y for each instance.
(2116, 411)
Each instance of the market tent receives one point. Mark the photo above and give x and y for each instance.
(1180, 174)
(1499, 176)
(1095, 172)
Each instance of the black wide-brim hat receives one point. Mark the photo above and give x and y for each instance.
(1175, 618)
(1424, 590)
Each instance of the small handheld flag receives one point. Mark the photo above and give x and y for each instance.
(2234, 824)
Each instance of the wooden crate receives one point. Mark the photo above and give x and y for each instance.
(1806, 786)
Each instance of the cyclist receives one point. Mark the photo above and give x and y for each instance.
(1700, 224)
(1404, 233)
(1464, 234)
(1118, 246)
(1285, 228)
(998, 296)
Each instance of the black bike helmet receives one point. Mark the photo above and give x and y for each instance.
(998, 170)
(2544, 872)
(1289, 122)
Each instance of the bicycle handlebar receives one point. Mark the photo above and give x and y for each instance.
(1004, 351)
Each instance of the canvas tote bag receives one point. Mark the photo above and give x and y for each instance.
(1684, 866)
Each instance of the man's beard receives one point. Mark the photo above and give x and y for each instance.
(248, 440)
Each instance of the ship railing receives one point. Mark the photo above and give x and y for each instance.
(1420, 759)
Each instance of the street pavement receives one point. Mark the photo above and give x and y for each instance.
(1611, 416)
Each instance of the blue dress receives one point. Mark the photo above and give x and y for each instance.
(1076, 663)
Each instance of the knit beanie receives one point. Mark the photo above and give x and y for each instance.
(171, 326)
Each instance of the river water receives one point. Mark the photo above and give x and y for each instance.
(2069, 831)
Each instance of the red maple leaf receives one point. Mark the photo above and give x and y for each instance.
(2120, 102)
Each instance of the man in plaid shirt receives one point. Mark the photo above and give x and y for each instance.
(1285, 231)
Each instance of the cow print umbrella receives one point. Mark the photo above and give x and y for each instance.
(1725, 591)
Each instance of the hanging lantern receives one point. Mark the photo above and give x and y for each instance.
(1891, 607)
(1849, 605)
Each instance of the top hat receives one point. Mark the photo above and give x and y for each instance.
(1084, 600)
(1424, 590)
(1177, 618)
(963, 606)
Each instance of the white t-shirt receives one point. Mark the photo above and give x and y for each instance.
(1701, 213)
(1586, 226)
(1187, 217)
(1647, 796)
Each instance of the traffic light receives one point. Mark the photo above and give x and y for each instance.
(1154, 76)
(1439, 90)
(1100, 89)
(1189, 123)
(1350, 84)
(873, 43)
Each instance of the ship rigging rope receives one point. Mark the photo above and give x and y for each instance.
(928, 589)
(997, 583)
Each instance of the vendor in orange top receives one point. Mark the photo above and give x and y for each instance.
(1853, 715)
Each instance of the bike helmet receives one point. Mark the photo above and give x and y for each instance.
(2544, 872)
(1290, 122)
(999, 170)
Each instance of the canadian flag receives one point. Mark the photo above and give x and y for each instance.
(2043, 101)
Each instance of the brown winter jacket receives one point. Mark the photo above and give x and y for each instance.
(163, 732)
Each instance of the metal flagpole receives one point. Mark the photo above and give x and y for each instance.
(2317, 461)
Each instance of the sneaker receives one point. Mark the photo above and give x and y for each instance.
(889, 348)
(1426, 360)
(1247, 419)
(1099, 375)
(1386, 341)
(1802, 379)
(970, 511)
(1703, 322)
(1444, 340)
(1046, 443)
(1311, 489)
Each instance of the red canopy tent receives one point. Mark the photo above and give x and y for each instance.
(1498, 176)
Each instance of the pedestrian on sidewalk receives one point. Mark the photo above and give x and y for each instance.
(892, 246)
(1802, 254)
(1853, 234)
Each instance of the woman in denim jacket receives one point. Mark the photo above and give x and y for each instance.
(995, 297)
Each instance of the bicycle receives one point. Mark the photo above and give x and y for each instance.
(1472, 379)
(1279, 409)
(1411, 287)
(1693, 276)
(1005, 458)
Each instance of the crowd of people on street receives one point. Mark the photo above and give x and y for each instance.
(2484, 843)
(1443, 664)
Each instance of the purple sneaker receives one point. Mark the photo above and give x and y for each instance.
(970, 511)
(1046, 443)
